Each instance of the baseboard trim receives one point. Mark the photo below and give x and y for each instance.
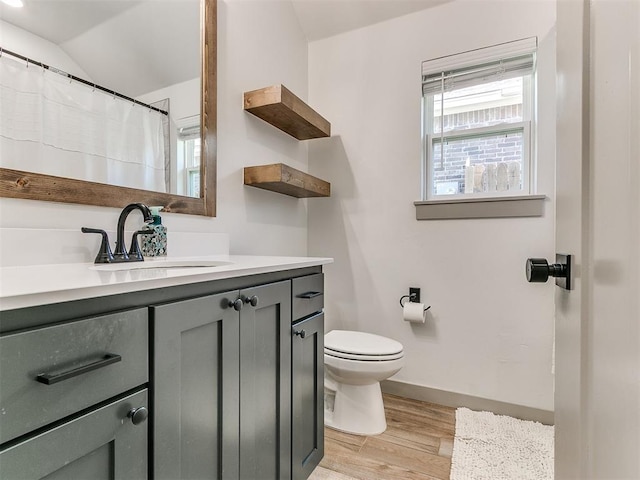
(452, 399)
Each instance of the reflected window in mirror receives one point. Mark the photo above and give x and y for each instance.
(188, 156)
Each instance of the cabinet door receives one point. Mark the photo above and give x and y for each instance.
(265, 383)
(308, 395)
(102, 444)
(196, 389)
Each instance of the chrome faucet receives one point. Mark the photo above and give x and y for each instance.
(120, 255)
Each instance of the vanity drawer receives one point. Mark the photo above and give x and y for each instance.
(51, 372)
(307, 295)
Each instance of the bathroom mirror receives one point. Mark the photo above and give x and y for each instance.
(24, 183)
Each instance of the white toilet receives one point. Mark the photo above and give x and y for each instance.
(355, 363)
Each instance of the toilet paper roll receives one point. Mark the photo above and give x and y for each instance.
(413, 312)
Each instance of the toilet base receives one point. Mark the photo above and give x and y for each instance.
(356, 409)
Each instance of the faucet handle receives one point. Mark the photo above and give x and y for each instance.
(104, 254)
(135, 255)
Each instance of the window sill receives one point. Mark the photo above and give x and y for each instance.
(495, 207)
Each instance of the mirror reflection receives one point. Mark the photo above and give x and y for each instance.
(105, 91)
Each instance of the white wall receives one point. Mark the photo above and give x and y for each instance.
(260, 43)
(37, 48)
(185, 98)
(489, 333)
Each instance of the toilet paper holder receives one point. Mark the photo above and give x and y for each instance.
(414, 296)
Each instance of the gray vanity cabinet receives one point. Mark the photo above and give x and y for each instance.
(195, 394)
(222, 386)
(233, 392)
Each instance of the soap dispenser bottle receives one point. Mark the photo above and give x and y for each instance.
(154, 244)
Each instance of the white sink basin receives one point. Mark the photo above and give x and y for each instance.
(147, 264)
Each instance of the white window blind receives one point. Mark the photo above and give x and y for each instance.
(446, 81)
(488, 55)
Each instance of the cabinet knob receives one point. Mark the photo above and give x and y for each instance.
(300, 333)
(138, 415)
(236, 304)
(253, 300)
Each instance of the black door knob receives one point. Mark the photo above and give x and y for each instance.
(300, 333)
(138, 415)
(539, 270)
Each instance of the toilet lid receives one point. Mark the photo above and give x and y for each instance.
(360, 343)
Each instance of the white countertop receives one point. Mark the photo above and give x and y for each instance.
(27, 286)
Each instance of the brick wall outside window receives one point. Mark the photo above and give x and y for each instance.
(477, 151)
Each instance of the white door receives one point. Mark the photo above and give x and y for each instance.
(597, 392)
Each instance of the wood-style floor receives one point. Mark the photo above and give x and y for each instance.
(417, 445)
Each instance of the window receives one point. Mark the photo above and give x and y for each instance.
(188, 159)
(477, 122)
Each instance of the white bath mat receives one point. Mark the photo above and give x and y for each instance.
(497, 447)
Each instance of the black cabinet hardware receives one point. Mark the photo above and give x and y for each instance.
(138, 415)
(253, 300)
(236, 304)
(108, 359)
(308, 295)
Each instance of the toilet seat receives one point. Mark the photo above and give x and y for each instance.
(361, 346)
(362, 358)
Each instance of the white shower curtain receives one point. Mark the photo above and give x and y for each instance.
(54, 126)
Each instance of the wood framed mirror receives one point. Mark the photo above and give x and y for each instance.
(34, 186)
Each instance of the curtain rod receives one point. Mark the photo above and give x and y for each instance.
(81, 80)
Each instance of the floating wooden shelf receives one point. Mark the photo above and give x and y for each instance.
(282, 109)
(281, 178)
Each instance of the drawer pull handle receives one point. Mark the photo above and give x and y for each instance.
(108, 359)
(308, 295)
